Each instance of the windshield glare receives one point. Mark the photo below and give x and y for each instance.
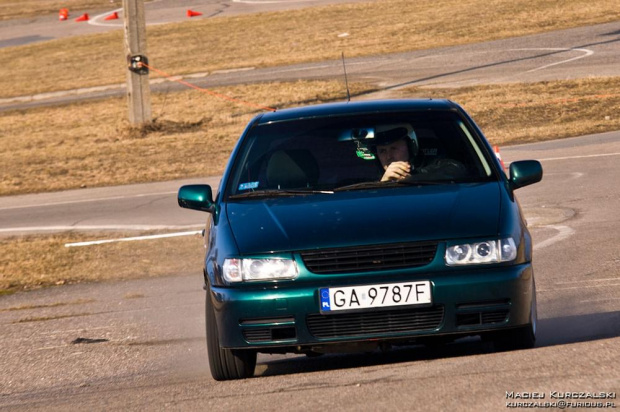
(326, 154)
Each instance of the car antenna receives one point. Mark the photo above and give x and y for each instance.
(346, 82)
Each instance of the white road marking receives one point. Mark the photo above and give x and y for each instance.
(237, 70)
(578, 287)
(95, 227)
(131, 239)
(196, 75)
(578, 157)
(573, 175)
(598, 300)
(95, 20)
(564, 232)
(302, 68)
(587, 281)
(587, 52)
(590, 283)
(68, 202)
(52, 332)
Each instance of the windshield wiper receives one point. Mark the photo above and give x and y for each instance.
(413, 182)
(364, 185)
(279, 193)
(389, 184)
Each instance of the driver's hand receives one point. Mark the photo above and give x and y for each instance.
(397, 171)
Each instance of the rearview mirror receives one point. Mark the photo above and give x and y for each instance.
(524, 173)
(196, 197)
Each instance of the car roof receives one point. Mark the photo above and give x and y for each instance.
(358, 107)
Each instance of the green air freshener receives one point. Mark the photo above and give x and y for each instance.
(363, 152)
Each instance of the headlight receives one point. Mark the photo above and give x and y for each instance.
(489, 251)
(241, 270)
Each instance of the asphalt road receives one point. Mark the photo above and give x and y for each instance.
(567, 54)
(137, 208)
(140, 344)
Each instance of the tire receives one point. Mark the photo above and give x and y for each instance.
(523, 337)
(225, 364)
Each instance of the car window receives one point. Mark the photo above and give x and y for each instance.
(332, 152)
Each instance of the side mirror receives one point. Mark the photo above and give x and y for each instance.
(196, 197)
(524, 173)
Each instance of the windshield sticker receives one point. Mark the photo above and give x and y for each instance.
(249, 185)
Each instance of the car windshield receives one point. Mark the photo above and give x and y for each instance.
(342, 153)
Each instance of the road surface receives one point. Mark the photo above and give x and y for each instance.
(140, 344)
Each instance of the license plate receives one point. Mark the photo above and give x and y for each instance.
(375, 296)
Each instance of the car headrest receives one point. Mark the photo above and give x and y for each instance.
(288, 169)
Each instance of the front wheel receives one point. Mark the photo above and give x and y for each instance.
(225, 364)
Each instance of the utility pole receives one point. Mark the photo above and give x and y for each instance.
(138, 90)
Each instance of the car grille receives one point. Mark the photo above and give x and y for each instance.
(369, 258)
(373, 323)
(261, 330)
(482, 313)
(481, 318)
(494, 317)
(258, 335)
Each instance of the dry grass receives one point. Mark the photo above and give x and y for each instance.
(530, 112)
(311, 34)
(90, 144)
(14, 9)
(36, 261)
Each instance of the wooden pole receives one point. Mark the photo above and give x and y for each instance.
(138, 90)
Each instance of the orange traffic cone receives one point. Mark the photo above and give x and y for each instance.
(83, 17)
(113, 16)
(191, 13)
(63, 14)
(499, 156)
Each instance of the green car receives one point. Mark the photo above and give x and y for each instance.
(354, 226)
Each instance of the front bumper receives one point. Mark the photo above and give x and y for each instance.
(465, 302)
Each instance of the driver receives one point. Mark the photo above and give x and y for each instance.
(397, 146)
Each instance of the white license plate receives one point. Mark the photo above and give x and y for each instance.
(375, 296)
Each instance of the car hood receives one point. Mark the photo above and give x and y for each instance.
(365, 217)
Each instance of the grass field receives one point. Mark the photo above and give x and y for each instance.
(37, 261)
(270, 39)
(531, 112)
